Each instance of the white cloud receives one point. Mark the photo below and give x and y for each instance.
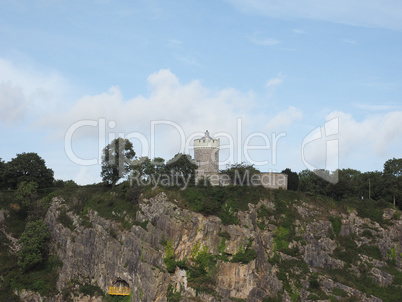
(376, 132)
(368, 13)
(23, 90)
(188, 108)
(284, 119)
(191, 106)
(376, 138)
(275, 82)
(298, 31)
(85, 175)
(265, 42)
(188, 104)
(382, 107)
(189, 60)
(12, 103)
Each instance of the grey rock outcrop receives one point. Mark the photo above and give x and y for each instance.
(106, 252)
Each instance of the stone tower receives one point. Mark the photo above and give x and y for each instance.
(206, 154)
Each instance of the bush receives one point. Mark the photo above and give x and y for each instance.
(109, 298)
(245, 256)
(40, 279)
(65, 220)
(170, 265)
(223, 202)
(368, 234)
(202, 275)
(314, 284)
(169, 257)
(271, 299)
(339, 292)
(281, 238)
(172, 295)
(91, 290)
(142, 224)
(370, 250)
(336, 223)
(346, 250)
(264, 212)
(369, 208)
(224, 234)
(33, 241)
(227, 214)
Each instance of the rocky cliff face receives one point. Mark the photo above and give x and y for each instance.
(288, 269)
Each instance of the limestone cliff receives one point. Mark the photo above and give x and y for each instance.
(307, 267)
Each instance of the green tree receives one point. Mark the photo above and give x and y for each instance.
(393, 178)
(148, 169)
(33, 242)
(182, 169)
(311, 183)
(116, 160)
(293, 179)
(28, 167)
(346, 186)
(158, 165)
(59, 183)
(372, 185)
(2, 174)
(240, 174)
(26, 193)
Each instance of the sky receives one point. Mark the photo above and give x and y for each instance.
(283, 84)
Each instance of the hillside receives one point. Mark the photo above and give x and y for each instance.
(205, 244)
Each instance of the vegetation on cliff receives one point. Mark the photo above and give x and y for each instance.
(322, 242)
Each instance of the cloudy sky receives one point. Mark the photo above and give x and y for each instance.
(284, 84)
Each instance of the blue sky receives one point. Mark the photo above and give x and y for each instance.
(278, 75)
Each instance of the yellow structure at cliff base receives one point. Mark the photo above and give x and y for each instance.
(119, 291)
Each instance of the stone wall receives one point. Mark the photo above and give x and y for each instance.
(207, 159)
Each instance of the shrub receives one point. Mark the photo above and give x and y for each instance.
(169, 257)
(202, 275)
(172, 294)
(367, 234)
(245, 256)
(224, 234)
(264, 212)
(346, 250)
(142, 224)
(271, 299)
(314, 284)
(65, 220)
(91, 290)
(228, 215)
(33, 241)
(281, 238)
(336, 223)
(370, 250)
(109, 298)
(339, 292)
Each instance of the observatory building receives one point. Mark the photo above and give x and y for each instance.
(206, 157)
(206, 154)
